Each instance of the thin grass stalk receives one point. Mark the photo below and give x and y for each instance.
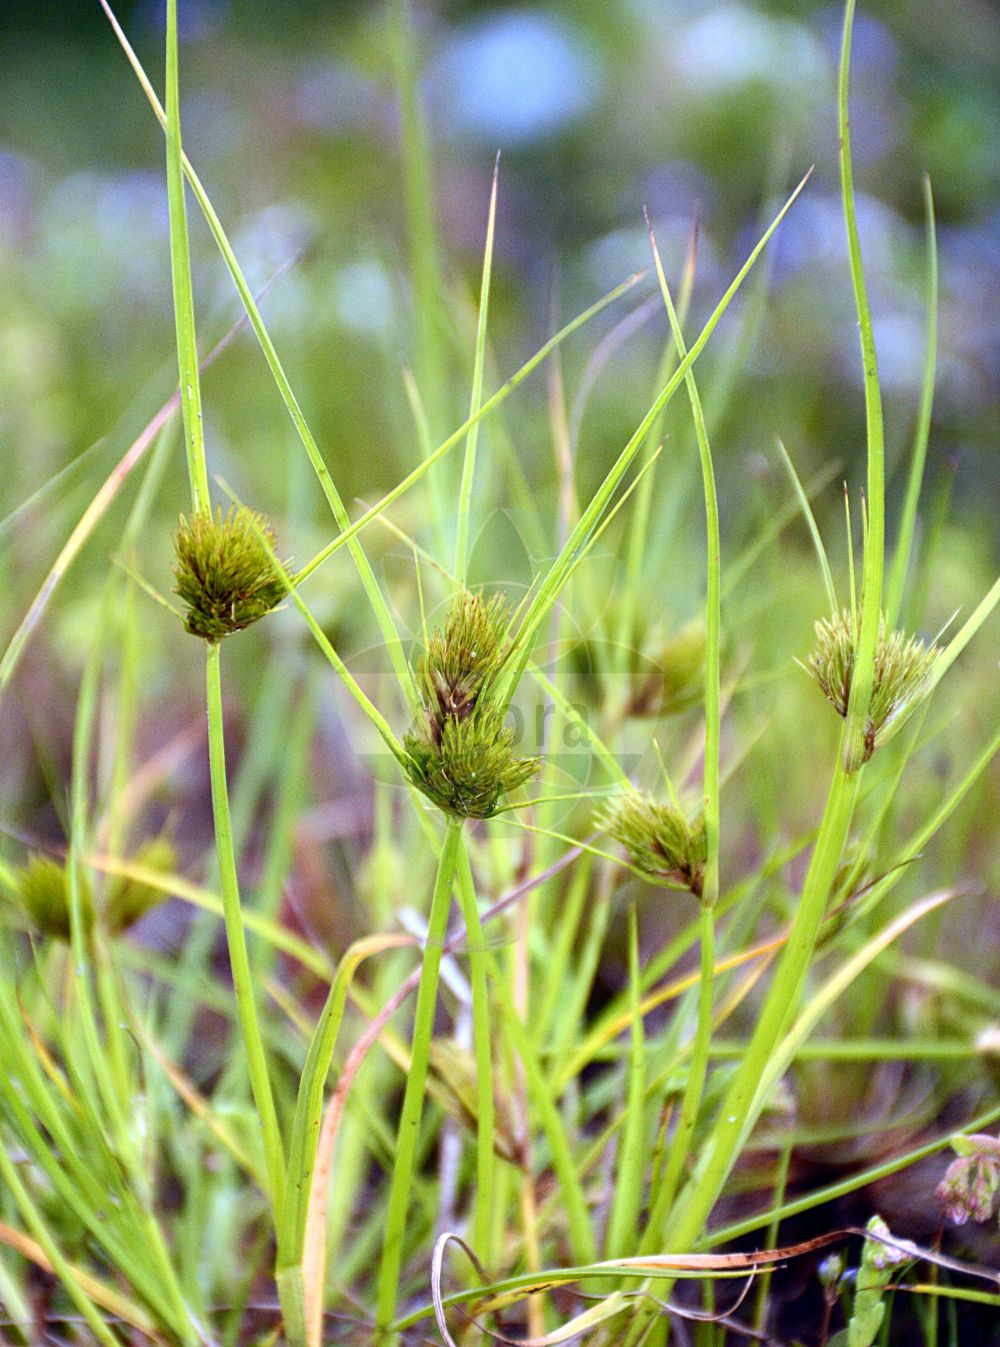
(638, 537)
(907, 524)
(734, 1121)
(260, 1081)
(862, 681)
(429, 316)
(380, 608)
(687, 1118)
(469, 464)
(626, 1204)
(483, 1207)
(413, 1097)
(180, 271)
(698, 1069)
(232, 911)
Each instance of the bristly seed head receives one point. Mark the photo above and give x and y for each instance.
(224, 573)
(462, 755)
(659, 840)
(461, 660)
(902, 664)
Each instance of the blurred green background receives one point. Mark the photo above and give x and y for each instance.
(698, 110)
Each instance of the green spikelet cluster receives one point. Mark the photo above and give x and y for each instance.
(659, 840)
(902, 664)
(42, 893)
(224, 573)
(462, 756)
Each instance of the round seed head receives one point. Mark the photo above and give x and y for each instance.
(224, 572)
(902, 664)
(461, 659)
(470, 766)
(659, 840)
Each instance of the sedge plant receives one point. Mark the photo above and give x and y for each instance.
(544, 1011)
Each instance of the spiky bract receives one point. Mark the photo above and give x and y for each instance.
(902, 664)
(462, 755)
(659, 839)
(224, 572)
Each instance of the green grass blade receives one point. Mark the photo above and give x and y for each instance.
(180, 274)
(907, 524)
(487, 407)
(400, 1187)
(863, 677)
(810, 518)
(626, 1203)
(485, 1195)
(469, 466)
(555, 579)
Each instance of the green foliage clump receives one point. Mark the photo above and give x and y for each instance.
(902, 664)
(225, 572)
(462, 756)
(659, 840)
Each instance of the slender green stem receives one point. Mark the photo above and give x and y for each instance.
(416, 1080)
(574, 1199)
(735, 1118)
(691, 1100)
(469, 465)
(907, 523)
(180, 269)
(626, 1204)
(482, 1224)
(246, 1005)
(855, 749)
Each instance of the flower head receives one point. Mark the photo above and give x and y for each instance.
(224, 572)
(970, 1184)
(461, 755)
(660, 841)
(902, 664)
